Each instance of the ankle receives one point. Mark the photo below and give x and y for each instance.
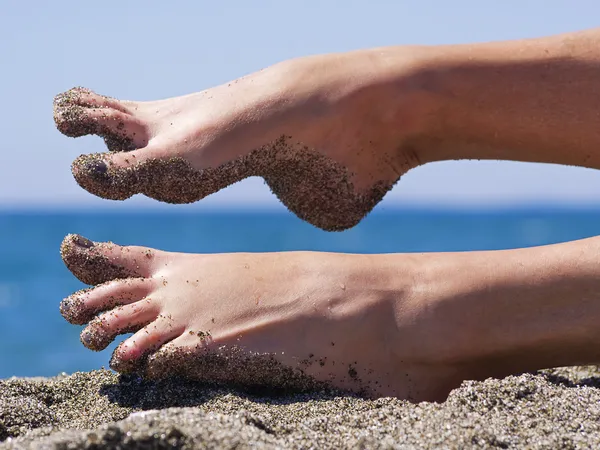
(507, 311)
(449, 312)
(406, 91)
(388, 91)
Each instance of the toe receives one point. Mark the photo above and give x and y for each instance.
(85, 97)
(74, 121)
(123, 319)
(130, 355)
(96, 263)
(100, 176)
(152, 172)
(117, 176)
(80, 112)
(81, 307)
(121, 131)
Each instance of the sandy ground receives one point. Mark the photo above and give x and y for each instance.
(552, 409)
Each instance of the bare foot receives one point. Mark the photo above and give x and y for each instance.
(285, 320)
(329, 134)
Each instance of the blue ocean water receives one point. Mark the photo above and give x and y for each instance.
(36, 341)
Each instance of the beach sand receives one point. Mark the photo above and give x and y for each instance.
(551, 409)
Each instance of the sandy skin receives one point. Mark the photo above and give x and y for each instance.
(409, 326)
(415, 326)
(325, 324)
(301, 126)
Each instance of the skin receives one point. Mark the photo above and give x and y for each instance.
(320, 101)
(409, 325)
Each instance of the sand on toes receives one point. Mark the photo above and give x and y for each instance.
(86, 260)
(80, 112)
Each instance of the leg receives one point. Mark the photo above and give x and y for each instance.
(332, 134)
(534, 100)
(406, 325)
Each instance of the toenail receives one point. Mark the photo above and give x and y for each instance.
(121, 354)
(82, 242)
(123, 364)
(86, 338)
(96, 168)
(65, 306)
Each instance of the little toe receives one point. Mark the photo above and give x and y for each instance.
(96, 263)
(131, 355)
(181, 356)
(79, 112)
(123, 319)
(86, 97)
(121, 131)
(82, 306)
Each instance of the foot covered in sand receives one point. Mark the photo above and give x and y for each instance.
(293, 321)
(322, 131)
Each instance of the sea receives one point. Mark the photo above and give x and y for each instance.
(36, 341)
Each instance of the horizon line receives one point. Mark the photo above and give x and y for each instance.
(281, 209)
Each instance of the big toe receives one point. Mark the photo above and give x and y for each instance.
(99, 175)
(118, 176)
(154, 172)
(79, 112)
(95, 263)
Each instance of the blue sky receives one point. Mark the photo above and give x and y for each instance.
(146, 50)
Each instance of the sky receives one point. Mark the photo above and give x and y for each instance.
(150, 49)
